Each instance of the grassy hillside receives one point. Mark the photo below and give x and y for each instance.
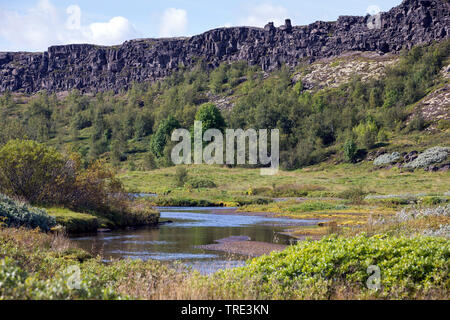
(367, 100)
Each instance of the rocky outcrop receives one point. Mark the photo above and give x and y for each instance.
(92, 68)
(332, 72)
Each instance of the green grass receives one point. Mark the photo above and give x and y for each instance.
(309, 206)
(332, 178)
(322, 184)
(75, 222)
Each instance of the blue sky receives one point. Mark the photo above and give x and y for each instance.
(33, 25)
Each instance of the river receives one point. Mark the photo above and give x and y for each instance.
(190, 227)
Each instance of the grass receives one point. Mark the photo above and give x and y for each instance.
(232, 182)
(75, 222)
(327, 192)
(35, 265)
(343, 213)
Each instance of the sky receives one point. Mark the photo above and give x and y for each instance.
(34, 25)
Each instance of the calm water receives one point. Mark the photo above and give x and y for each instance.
(191, 227)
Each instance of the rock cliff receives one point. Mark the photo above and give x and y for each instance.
(92, 68)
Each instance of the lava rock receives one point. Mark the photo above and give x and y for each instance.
(411, 156)
(93, 68)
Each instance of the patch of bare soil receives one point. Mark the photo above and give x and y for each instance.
(246, 248)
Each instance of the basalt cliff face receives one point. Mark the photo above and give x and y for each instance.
(92, 68)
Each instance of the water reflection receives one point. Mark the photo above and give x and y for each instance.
(191, 227)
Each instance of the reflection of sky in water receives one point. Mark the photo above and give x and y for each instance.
(105, 237)
(146, 242)
(195, 219)
(162, 255)
(179, 241)
(207, 267)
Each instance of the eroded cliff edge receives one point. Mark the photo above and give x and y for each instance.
(92, 68)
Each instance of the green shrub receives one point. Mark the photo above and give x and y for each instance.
(350, 150)
(354, 194)
(197, 183)
(286, 190)
(248, 201)
(181, 176)
(367, 133)
(150, 161)
(394, 201)
(181, 202)
(313, 205)
(16, 214)
(407, 266)
(159, 139)
(210, 117)
(32, 171)
(17, 283)
(416, 123)
(432, 200)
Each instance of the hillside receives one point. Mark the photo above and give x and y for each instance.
(359, 208)
(373, 101)
(332, 91)
(91, 68)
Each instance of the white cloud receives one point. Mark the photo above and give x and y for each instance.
(45, 25)
(116, 30)
(174, 23)
(373, 10)
(73, 22)
(261, 14)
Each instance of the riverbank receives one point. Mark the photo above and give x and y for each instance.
(74, 222)
(245, 248)
(347, 196)
(35, 265)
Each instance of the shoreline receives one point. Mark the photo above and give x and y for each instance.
(242, 245)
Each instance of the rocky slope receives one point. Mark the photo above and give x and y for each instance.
(92, 68)
(332, 72)
(436, 105)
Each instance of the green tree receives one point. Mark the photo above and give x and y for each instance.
(143, 125)
(367, 133)
(118, 148)
(350, 150)
(159, 139)
(210, 116)
(218, 78)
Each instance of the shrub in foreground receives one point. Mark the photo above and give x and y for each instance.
(41, 175)
(15, 214)
(32, 171)
(408, 266)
